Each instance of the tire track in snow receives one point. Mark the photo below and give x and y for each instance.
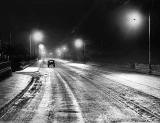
(69, 108)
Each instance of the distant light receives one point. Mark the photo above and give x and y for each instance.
(78, 43)
(42, 50)
(50, 53)
(40, 60)
(41, 46)
(65, 48)
(37, 36)
(58, 52)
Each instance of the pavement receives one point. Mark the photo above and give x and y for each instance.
(13, 85)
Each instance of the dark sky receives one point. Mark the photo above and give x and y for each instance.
(99, 21)
(52, 14)
(55, 17)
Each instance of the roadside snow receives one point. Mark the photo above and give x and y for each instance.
(11, 86)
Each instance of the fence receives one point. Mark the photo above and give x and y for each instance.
(137, 67)
(5, 69)
(134, 67)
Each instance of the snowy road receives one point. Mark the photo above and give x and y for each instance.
(77, 93)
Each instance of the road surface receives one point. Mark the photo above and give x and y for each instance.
(78, 93)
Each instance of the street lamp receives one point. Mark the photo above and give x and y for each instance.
(37, 36)
(58, 52)
(79, 43)
(50, 53)
(64, 48)
(42, 50)
(134, 20)
(41, 46)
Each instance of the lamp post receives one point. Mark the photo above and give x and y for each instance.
(58, 52)
(30, 45)
(134, 21)
(149, 29)
(64, 49)
(79, 43)
(37, 36)
(42, 50)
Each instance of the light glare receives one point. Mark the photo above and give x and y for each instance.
(41, 46)
(134, 19)
(78, 43)
(58, 52)
(64, 48)
(37, 36)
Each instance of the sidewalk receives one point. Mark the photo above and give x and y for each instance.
(11, 86)
(14, 84)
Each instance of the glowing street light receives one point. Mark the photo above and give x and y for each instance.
(36, 36)
(41, 46)
(134, 20)
(42, 50)
(78, 43)
(59, 52)
(50, 53)
(64, 48)
(131, 21)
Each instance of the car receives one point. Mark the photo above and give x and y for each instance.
(51, 63)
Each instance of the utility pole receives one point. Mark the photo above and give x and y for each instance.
(149, 37)
(149, 41)
(10, 43)
(84, 55)
(30, 45)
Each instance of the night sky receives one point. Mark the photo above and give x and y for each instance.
(98, 21)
